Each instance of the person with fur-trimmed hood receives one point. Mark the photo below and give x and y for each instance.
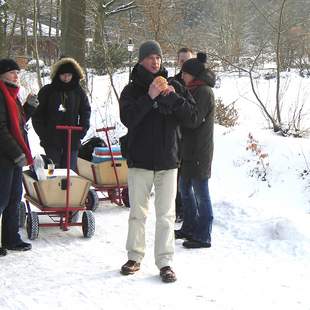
(14, 154)
(197, 154)
(62, 102)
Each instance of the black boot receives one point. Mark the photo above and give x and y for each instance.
(3, 252)
(22, 246)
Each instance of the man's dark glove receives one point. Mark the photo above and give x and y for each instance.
(169, 103)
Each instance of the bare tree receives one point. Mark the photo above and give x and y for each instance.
(35, 48)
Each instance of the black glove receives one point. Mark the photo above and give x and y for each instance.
(21, 160)
(169, 103)
(33, 100)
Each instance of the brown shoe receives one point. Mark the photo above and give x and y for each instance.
(167, 275)
(130, 268)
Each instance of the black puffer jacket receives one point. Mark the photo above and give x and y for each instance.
(9, 147)
(62, 104)
(197, 144)
(153, 141)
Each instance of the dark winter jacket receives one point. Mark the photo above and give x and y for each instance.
(9, 147)
(153, 141)
(62, 104)
(178, 77)
(197, 143)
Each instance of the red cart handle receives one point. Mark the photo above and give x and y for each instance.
(63, 127)
(105, 129)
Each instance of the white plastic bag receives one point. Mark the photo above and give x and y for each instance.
(38, 165)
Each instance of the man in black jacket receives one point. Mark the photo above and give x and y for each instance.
(152, 112)
(184, 54)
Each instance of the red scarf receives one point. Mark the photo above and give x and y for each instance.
(194, 84)
(14, 115)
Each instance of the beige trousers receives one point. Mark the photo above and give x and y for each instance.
(140, 183)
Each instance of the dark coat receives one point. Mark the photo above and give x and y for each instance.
(153, 141)
(197, 143)
(61, 104)
(9, 147)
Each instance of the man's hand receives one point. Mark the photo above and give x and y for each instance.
(32, 100)
(155, 90)
(168, 90)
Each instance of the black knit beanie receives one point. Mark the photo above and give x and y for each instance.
(148, 48)
(195, 66)
(67, 68)
(7, 65)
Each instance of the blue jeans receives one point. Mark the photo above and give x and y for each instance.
(59, 157)
(197, 209)
(10, 196)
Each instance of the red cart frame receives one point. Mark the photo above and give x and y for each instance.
(62, 217)
(116, 193)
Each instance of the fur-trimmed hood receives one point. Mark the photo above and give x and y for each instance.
(67, 60)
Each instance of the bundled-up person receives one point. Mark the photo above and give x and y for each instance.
(152, 111)
(62, 102)
(197, 154)
(183, 54)
(14, 154)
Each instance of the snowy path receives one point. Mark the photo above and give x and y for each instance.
(65, 271)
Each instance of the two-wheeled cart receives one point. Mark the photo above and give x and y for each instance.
(60, 197)
(109, 177)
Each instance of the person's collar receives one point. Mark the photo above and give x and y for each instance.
(10, 83)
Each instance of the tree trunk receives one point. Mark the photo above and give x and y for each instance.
(73, 17)
(35, 36)
(10, 40)
(278, 53)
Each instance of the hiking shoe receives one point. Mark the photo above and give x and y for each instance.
(130, 267)
(193, 244)
(178, 234)
(167, 274)
(3, 252)
(22, 246)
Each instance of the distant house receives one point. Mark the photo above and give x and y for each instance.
(22, 44)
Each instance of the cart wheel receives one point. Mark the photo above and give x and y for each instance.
(125, 197)
(88, 224)
(32, 225)
(22, 214)
(92, 200)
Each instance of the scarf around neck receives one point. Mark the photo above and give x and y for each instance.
(194, 84)
(10, 94)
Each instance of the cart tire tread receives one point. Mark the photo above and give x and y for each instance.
(33, 225)
(22, 214)
(92, 200)
(88, 224)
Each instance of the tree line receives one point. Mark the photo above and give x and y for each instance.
(98, 30)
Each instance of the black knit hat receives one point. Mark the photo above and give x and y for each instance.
(148, 48)
(67, 68)
(195, 66)
(7, 65)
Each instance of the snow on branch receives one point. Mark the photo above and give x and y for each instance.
(121, 8)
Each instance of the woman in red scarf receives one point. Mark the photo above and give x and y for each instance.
(14, 154)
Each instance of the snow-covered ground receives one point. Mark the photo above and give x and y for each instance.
(260, 251)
